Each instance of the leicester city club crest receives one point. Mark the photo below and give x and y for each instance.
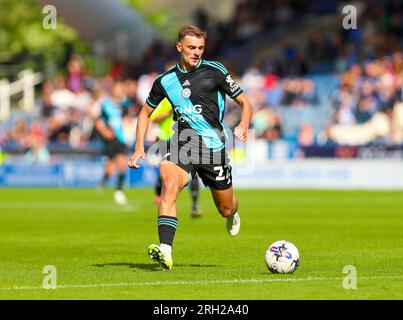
(186, 93)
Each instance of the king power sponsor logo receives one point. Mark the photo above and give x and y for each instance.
(232, 84)
(189, 113)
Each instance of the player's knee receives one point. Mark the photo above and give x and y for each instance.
(170, 188)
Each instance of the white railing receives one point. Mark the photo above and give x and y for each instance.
(25, 85)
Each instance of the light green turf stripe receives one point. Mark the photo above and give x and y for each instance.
(202, 282)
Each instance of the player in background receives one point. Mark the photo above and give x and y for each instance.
(107, 113)
(196, 88)
(163, 116)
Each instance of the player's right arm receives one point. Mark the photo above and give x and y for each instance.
(155, 97)
(142, 126)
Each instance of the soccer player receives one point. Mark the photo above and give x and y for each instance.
(196, 89)
(108, 122)
(163, 116)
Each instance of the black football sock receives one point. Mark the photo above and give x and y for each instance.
(166, 229)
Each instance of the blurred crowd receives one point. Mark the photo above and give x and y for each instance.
(378, 32)
(64, 113)
(367, 106)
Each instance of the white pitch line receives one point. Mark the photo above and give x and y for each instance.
(174, 283)
(84, 206)
(74, 204)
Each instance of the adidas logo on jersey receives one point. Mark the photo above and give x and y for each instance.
(186, 83)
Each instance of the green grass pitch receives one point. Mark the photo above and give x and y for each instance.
(99, 248)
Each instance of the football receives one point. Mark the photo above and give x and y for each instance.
(282, 257)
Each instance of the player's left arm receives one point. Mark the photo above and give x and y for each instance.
(231, 88)
(241, 131)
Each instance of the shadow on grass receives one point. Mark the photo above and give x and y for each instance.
(150, 266)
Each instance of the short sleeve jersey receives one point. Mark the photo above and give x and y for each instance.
(198, 100)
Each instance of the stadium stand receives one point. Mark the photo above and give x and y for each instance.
(341, 88)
